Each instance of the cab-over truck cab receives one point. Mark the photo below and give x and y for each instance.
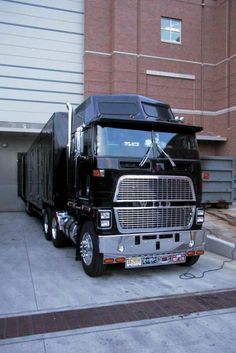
(132, 187)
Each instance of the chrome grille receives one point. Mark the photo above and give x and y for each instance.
(154, 188)
(153, 218)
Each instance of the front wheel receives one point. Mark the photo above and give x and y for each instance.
(190, 260)
(92, 260)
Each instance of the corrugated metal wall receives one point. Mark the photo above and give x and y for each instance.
(41, 68)
(218, 180)
(41, 58)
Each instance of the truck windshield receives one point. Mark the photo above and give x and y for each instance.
(118, 142)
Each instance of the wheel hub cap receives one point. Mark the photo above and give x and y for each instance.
(86, 249)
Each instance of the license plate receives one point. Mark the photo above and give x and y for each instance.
(177, 258)
(150, 260)
(135, 261)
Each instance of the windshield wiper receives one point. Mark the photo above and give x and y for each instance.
(143, 161)
(160, 149)
(154, 143)
(166, 155)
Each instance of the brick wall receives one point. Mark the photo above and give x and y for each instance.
(122, 44)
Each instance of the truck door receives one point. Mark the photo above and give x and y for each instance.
(83, 164)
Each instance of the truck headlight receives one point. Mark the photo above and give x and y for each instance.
(200, 215)
(105, 215)
(105, 224)
(104, 219)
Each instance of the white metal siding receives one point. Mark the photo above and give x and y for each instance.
(41, 59)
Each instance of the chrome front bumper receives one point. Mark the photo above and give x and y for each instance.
(125, 245)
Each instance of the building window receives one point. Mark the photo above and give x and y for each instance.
(171, 30)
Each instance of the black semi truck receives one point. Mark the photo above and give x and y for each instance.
(120, 176)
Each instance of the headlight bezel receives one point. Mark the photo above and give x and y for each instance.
(104, 219)
(200, 215)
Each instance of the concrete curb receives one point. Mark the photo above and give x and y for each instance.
(220, 247)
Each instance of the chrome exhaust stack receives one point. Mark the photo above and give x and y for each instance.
(68, 147)
(70, 117)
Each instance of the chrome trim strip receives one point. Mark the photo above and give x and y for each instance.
(152, 177)
(151, 229)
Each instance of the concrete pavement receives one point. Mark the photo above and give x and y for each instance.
(35, 277)
(220, 225)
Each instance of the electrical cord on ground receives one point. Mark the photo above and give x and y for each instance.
(189, 275)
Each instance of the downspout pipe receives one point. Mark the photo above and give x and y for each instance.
(70, 117)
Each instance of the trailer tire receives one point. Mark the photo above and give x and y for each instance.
(92, 260)
(58, 238)
(29, 209)
(47, 224)
(190, 260)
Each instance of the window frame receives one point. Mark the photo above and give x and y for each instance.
(171, 30)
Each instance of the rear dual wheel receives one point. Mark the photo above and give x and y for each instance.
(47, 227)
(52, 230)
(58, 238)
(92, 260)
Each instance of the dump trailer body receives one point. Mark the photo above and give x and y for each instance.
(46, 165)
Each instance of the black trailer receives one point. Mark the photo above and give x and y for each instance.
(21, 175)
(44, 171)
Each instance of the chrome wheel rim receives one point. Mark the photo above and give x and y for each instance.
(86, 249)
(54, 228)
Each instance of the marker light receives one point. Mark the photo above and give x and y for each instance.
(98, 172)
(200, 252)
(120, 259)
(108, 261)
(191, 253)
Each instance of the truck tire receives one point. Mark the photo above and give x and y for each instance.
(92, 260)
(47, 224)
(58, 238)
(190, 260)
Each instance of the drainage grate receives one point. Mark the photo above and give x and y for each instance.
(26, 325)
